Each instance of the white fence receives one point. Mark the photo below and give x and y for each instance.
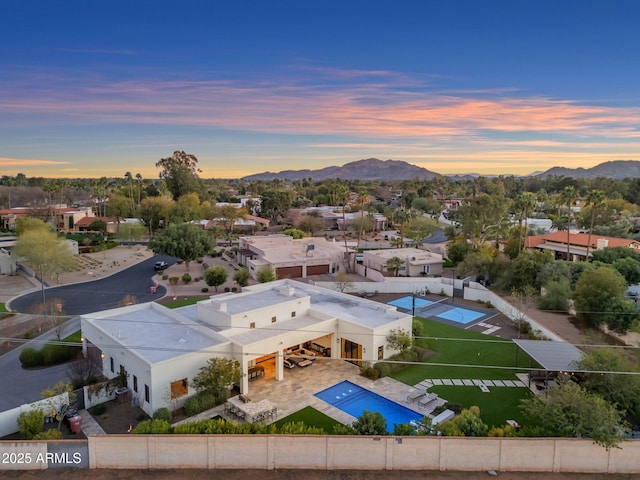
(9, 418)
(474, 291)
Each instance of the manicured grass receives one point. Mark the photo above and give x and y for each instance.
(74, 337)
(311, 418)
(497, 406)
(472, 352)
(3, 308)
(184, 303)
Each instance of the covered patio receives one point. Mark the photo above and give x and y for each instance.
(554, 358)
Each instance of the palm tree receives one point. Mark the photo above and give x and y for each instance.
(524, 204)
(361, 201)
(401, 216)
(568, 196)
(129, 178)
(393, 265)
(139, 180)
(595, 199)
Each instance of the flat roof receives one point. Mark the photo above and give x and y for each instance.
(154, 334)
(272, 330)
(551, 355)
(252, 301)
(358, 311)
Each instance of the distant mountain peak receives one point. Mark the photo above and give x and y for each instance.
(618, 169)
(366, 169)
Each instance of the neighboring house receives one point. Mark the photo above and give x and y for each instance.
(416, 262)
(61, 217)
(162, 349)
(290, 258)
(333, 220)
(557, 243)
(84, 224)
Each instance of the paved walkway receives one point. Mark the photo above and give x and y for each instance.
(430, 382)
(89, 424)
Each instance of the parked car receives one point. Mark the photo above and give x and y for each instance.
(159, 266)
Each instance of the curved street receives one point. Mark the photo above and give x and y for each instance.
(101, 294)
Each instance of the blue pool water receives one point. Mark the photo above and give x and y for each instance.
(354, 400)
(460, 315)
(407, 303)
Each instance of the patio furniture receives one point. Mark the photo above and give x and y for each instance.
(304, 363)
(413, 396)
(256, 372)
(427, 399)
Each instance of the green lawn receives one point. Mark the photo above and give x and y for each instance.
(185, 302)
(74, 337)
(471, 355)
(310, 417)
(497, 406)
(3, 308)
(475, 357)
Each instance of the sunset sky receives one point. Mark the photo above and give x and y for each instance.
(97, 88)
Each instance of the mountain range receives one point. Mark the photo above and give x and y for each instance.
(374, 169)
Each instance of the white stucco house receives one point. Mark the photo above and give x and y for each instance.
(415, 262)
(163, 349)
(289, 257)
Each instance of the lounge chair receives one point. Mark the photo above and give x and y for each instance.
(288, 363)
(413, 396)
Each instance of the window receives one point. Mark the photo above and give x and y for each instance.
(380, 352)
(146, 394)
(252, 325)
(293, 314)
(111, 364)
(273, 319)
(135, 384)
(179, 388)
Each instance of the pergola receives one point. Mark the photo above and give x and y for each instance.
(552, 356)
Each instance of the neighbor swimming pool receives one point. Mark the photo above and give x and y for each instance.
(354, 400)
(460, 315)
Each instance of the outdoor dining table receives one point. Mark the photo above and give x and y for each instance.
(254, 411)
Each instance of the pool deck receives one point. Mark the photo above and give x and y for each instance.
(299, 386)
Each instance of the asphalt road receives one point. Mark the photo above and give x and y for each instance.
(19, 385)
(437, 236)
(101, 294)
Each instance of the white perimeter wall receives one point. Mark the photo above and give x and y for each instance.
(9, 418)
(474, 292)
(360, 453)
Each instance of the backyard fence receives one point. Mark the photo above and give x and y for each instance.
(268, 452)
(8, 418)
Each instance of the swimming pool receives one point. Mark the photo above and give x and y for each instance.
(460, 315)
(408, 302)
(354, 400)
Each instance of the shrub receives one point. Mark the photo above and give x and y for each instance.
(165, 277)
(227, 289)
(234, 289)
(98, 409)
(30, 424)
(56, 354)
(51, 434)
(186, 278)
(30, 357)
(152, 426)
(162, 414)
(200, 402)
(173, 280)
(204, 289)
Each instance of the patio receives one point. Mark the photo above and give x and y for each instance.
(297, 390)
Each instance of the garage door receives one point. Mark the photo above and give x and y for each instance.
(288, 272)
(317, 269)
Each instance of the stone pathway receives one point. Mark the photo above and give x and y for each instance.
(428, 383)
(89, 424)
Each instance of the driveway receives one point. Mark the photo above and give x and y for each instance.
(102, 294)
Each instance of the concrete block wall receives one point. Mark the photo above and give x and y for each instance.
(360, 453)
